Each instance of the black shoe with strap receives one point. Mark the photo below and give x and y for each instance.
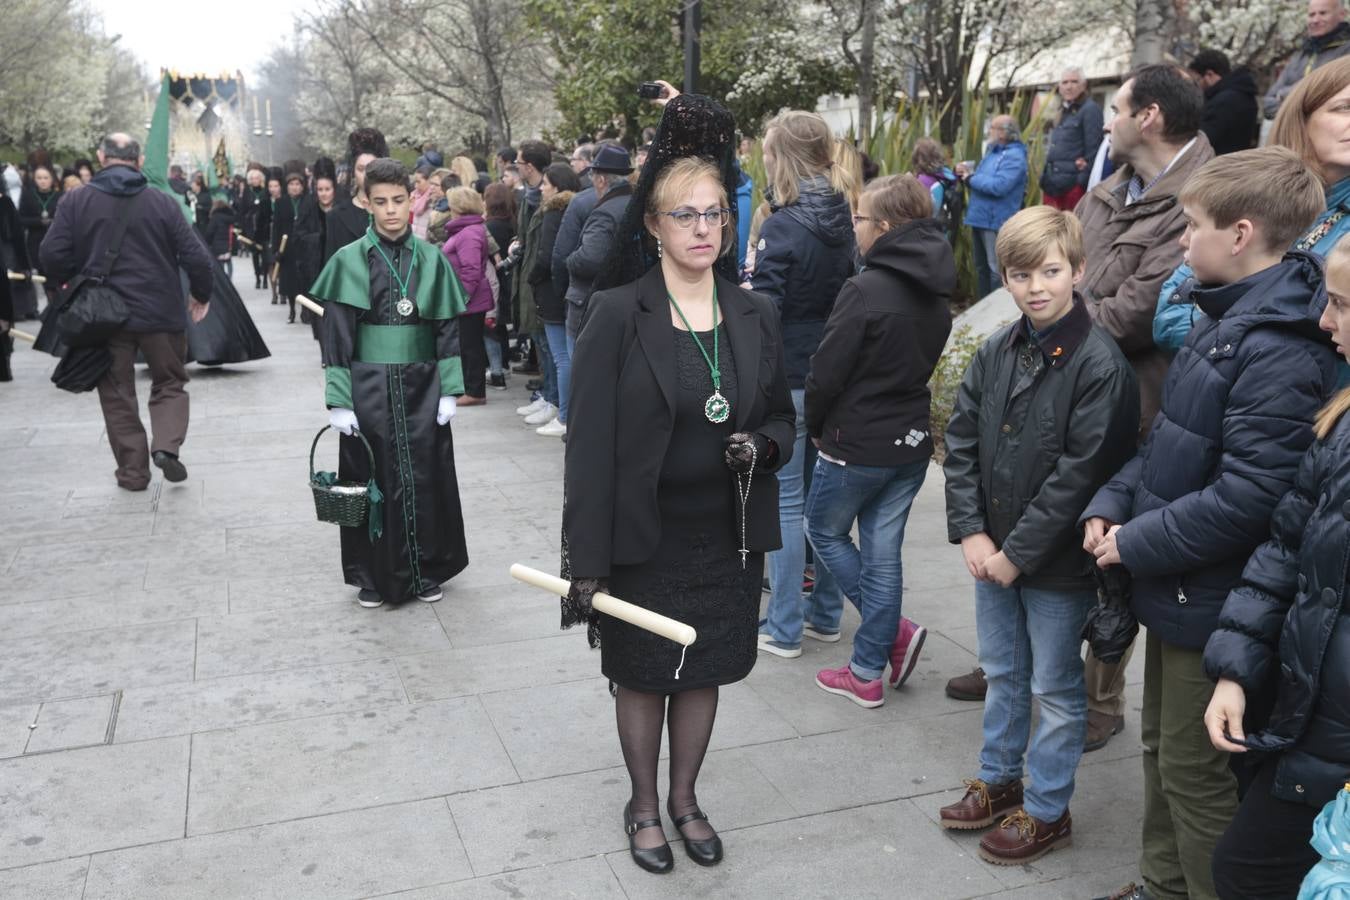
(658, 860)
(706, 852)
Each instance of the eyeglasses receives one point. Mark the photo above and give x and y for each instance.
(685, 218)
(857, 219)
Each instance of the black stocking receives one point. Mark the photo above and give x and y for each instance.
(691, 724)
(640, 717)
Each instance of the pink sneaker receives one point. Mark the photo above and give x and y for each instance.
(905, 651)
(843, 682)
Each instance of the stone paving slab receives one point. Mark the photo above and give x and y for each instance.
(270, 773)
(495, 668)
(92, 662)
(60, 880)
(293, 638)
(324, 858)
(59, 805)
(582, 879)
(236, 701)
(110, 609)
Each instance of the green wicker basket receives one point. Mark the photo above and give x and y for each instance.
(345, 503)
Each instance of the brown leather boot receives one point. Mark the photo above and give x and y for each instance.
(1021, 838)
(982, 804)
(970, 686)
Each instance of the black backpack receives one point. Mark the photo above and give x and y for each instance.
(953, 208)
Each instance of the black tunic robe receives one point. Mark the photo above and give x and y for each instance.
(297, 219)
(395, 403)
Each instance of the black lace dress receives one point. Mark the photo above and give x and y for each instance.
(695, 576)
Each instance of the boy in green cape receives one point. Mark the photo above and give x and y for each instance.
(390, 343)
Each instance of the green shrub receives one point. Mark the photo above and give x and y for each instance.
(946, 383)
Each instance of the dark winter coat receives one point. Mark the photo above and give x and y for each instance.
(502, 232)
(30, 214)
(1314, 52)
(1077, 135)
(1038, 426)
(157, 244)
(805, 254)
(301, 223)
(219, 228)
(1288, 625)
(466, 246)
(1231, 120)
(254, 211)
(1237, 408)
(345, 222)
(597, 235)
(867, 398)
(547, 300)
(569, 236)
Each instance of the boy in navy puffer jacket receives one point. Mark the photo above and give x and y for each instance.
(1184, 515)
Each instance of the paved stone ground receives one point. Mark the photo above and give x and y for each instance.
(193, 705)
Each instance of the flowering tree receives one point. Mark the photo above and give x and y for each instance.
(1254, 33)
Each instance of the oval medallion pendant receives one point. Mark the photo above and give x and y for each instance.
(717, 409)
(404, 307)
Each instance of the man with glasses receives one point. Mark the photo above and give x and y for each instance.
(609, 171)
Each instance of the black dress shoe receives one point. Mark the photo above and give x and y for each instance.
(173, 469)
(707, 852)
(658, 859)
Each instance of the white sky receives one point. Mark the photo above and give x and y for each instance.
(201, 38)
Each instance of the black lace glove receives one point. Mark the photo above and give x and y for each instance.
(739, 454)
(581, 592)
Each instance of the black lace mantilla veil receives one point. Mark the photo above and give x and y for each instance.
(692, 125)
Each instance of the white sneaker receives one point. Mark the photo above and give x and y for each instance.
(554, 428)
(533, 406)
(546, 413)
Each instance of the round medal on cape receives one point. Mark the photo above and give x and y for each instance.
(404, 307)
(717, 409)
(45, 215)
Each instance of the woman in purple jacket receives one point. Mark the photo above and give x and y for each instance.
(466, 246)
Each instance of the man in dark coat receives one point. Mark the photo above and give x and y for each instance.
(1328, 38)
(1230, 119)
(1073, 143)
(158, 242)
(609, 171)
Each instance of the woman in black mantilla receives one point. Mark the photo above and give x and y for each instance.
(299, 221)
(679, 406)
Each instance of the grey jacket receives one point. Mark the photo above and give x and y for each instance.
(597, 236)
(1313, 53)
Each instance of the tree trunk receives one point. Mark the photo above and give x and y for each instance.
(1154, 23)
(866, 76)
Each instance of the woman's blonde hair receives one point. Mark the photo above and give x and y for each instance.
(465, 170)
(799, 145)
(1338, 262)
(464, 201)
(1313, 92)
(676, 182)
(847, 157)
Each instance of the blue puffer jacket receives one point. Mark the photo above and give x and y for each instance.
(998, 186)
(1288, 625)
(806, 253)
(1237, 408)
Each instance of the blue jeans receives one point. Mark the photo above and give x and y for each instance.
(787, 610)
(547, 370)
(562, 363)
(1030, 642)
(492, 342)
(987, 276)
(879, 497)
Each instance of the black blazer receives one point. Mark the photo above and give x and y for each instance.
(622, 412)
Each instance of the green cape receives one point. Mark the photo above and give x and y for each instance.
(346, 279)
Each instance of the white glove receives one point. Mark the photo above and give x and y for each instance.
(343, 420)
(445, 410)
